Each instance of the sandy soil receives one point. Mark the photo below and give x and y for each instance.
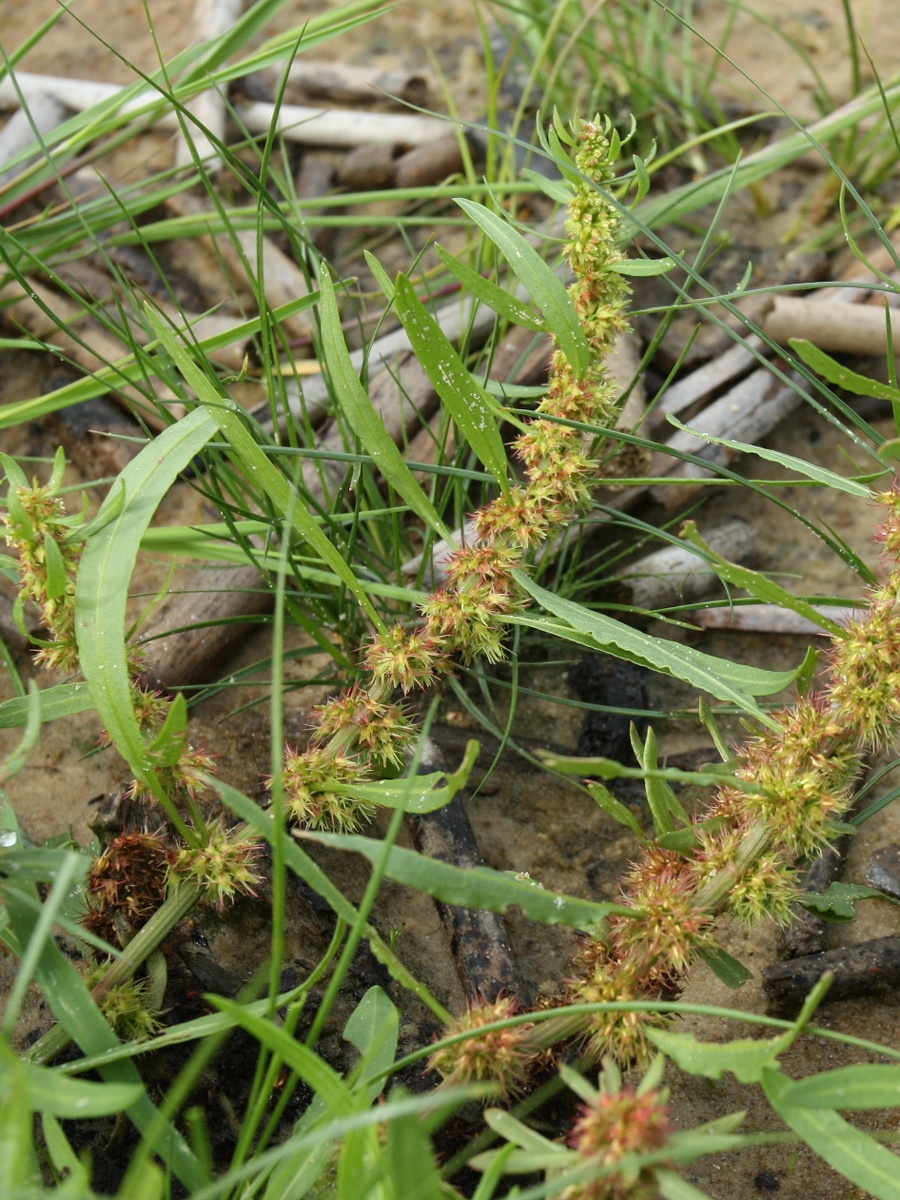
(523, 822)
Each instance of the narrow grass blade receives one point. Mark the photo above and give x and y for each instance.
(673, 1187)
(30, 709)
(669, 206)
(810, 469)
(76, 1099)
(232, 422)
(546, 289)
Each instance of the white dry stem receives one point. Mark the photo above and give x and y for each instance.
(211, 19)
(294, 122)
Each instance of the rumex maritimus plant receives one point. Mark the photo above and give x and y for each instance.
(364, 732)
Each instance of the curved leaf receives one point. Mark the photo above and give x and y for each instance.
(473, 410)
(732, 682)
(107, 564)
(476, 887)
(849, 1150)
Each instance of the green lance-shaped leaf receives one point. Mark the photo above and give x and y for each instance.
(760, 585)
(503, 303)
(75, 1099)
(476, 887)
(854, 1153)
(416, 793)
(829, 368)
(472, 409)
(810, 470)
(373, 1028)
(362, 417)
(101, 593)
(733, 683)
(64, 700)
(865, 1085)
(745, 1058)
(838, 903)
(19, 1174)
(546, 288)
(725, 966)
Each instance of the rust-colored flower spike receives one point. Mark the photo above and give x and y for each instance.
(798, 779)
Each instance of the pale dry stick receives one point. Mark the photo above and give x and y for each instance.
(769, 618)
(76, 94)
(296, 123)
(345, 84)
(21, 132)
(841, 328)
(337, 127)
(332, 127)
(757, 404)
(693, 391)
(211, 19)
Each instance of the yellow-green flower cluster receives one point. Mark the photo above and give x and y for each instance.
(42, 533)
(465, 618)
(800, 779)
